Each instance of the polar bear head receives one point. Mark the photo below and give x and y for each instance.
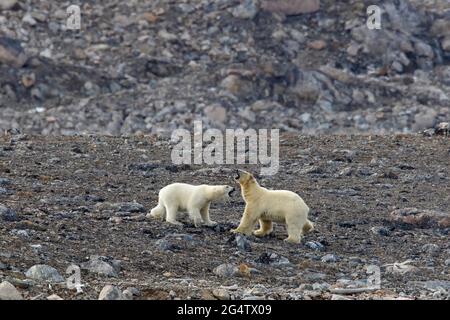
(221, 192)
(244, 178)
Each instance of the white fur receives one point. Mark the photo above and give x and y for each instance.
(195, 200)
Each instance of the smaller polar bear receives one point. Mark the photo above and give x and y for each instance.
(193, 199)
(269, 206)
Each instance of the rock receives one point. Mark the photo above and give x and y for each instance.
(21, 233)
(339, 297)
(307, 87)
(221, 294)
(54, 297)
(7, 4)
(315, 245)
(291, 7)
(423, 49)
(216, 113)
(162, 68)
(7, 214)
(28, 80)
(28, 19)
(40, 16)
(130, 292)
(167, 36)
(421, 218)
(434, 285)
(329, 258)
(134, 291)
(102, 266)
(150, 17)
(21, 283)
(445, 43)
(11, 52)
(175, 242)
(431, 249)
(127, 295)
(297, 35)
(424, 119)
(313, 276)
(9, 292)
(237, 86)
(42, 272)
(110, 292)
(447, 262)
(248, 9)
(353, 49)
(240, 241)
(317, 45)
(305, 117)
(381, 231)
(226, 270)
(5, 182)
(442, 128)
(400, 267)
(273, 259)
(320, 286)
(440, 28)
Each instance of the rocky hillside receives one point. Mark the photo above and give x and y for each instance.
(152, 66)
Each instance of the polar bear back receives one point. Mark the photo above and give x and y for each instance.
(281, 204)
(179, 193)
(185, 196)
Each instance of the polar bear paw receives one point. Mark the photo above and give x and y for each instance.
(211, 223)
(292, 240)
(174, 222)
(259, 233)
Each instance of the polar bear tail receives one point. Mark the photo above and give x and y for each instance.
(158, 212)
(308, 226)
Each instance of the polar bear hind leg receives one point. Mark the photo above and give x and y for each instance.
(294, 230)
(171, 215)
(159, 211)
(265, 228)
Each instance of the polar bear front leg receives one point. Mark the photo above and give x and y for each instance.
(247, 223)
(265, 228)
(195, 215)
(204, 212)
(157, 212)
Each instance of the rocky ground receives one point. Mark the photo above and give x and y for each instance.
(376, 201)
(152, 66)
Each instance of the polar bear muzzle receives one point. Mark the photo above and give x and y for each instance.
(243, 177)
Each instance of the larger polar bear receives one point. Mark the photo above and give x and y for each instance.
(269, 206)
(193, 199)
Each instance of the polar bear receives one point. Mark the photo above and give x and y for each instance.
(193, 199)
(269, 206)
